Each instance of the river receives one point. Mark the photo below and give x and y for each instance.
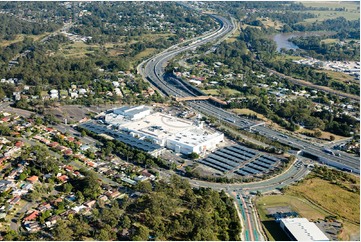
(282, 39)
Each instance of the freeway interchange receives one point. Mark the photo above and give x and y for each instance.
(153, 71)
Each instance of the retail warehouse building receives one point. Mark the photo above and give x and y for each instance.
(155, 130)
(300, 229)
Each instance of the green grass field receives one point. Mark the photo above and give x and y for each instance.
(340, 202)
(268, 23)
(330, 41)
(284, 57)
(339, 76)
(350, 6)
(246, 111)
(315, 199)
(76, 49)
(299, 205)
(352, 12)
(145, 53)
(215, 92)
(21, 37)
(235, 35)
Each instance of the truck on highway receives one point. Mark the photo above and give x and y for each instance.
(347, 169)
(329, 152)
(284, 136)
(231, 120)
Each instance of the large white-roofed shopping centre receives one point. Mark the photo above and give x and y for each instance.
(181, 135)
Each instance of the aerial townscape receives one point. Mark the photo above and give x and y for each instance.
(166, 120)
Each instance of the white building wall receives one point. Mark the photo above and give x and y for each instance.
(140, 115)
(112, 119)
(181, 147)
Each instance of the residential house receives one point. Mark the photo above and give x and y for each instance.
(103, 198)
(15, 200)
(32, 179)
(63, 178)
(68, 152)
(77, 209)
(73, 95)
(32, 216)
(68, 168)
(82, 91)
(141, 178)
(44, 207)
(147, 174)
(90, 204)
(54, 94)
(115, 84)
(52, 221)
(112, 194)
(19, 144)
(56, 201)
(32, 227)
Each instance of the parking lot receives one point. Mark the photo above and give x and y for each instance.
(331, 229)
(240, 160)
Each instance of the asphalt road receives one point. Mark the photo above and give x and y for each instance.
(312, 148)
(242, 192)
(294, 173)
(154, 72)
(15, 225)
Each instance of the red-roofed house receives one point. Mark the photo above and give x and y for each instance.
(2, 159)
(61, 148)
(32, 216)
(68, 168)
(53, 144)
(6, 119)
(19, 144)
(78, 143)
(71, 139)
(68, 152)
(33, 179)
(63, 178)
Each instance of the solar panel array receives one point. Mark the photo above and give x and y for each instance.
(125, 138)
(231, 157)
(228, 158)
(261, 164)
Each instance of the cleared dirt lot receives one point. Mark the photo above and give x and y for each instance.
(74, 113)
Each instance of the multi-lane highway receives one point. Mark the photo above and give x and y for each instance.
(317, 150)
(153, 71)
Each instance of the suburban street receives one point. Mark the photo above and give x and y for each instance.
(194, 121)
(15, 225)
